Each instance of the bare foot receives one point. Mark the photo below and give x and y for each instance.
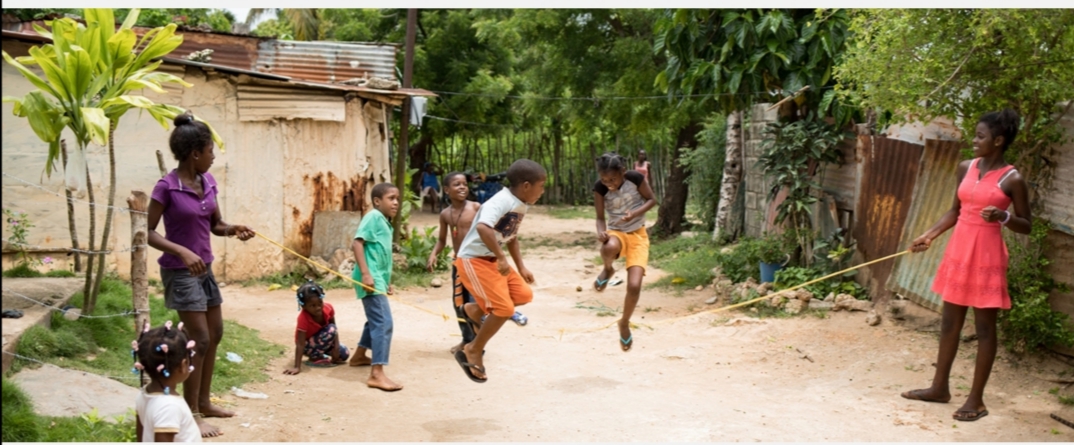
(208, 430)
(215, 411)
(382, 382)
(928, 395)
(626, 339)
(475, 358)
(457, 347)
(360, 360)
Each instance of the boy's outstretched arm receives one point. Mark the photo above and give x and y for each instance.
(488, 236)
(300, 342)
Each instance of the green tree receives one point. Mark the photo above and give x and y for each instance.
(925, 63)
(741, 57)
(90, 74)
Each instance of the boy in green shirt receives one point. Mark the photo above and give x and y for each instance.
(373, 252)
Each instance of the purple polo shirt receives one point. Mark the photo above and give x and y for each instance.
(187, 217)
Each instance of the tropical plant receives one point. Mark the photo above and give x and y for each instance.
(1032, 323)
(793, 153)
(18, 224)
(91, 72)
(705, 168)
(417, 247)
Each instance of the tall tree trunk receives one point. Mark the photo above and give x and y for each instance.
(87, 287)
(732, 178)
(108, 212)
(71, 226)
(673, 210)
(138, 203)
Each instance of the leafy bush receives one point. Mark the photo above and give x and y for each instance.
(793, 276)
(417, 247)
(1031, 322)
(742, 262)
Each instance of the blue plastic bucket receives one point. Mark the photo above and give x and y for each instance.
(768, 271)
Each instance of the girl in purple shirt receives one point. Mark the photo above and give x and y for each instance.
(186, 198)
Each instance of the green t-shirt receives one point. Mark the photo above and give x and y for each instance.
(376, 234)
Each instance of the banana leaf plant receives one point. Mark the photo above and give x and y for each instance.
(91, 75)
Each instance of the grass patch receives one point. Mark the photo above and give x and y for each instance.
(688, 261)
(22, 425)
(582, 240)
(572, 212)
(102, 345)
(294, 278)
(405, 279)
(25, 270)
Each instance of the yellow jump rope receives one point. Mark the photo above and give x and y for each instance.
(562, 331)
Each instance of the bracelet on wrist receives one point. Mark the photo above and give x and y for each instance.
(1006, 218)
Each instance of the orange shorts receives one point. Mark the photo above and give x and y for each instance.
(491, 291)
(634, 246)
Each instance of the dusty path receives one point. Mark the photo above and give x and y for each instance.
(696, 380)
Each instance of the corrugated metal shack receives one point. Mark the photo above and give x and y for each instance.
(298, 143)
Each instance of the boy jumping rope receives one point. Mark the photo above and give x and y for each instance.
(625, 196)
(373, 251)
(496, 288)
(458, 218)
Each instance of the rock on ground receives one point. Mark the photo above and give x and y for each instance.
(794, 307)
(872, 319)
(55, 391)
(849, 303)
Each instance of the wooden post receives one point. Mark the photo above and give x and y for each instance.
(138, 202)
(160, 164)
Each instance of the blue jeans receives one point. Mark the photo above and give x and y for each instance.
(377, 333)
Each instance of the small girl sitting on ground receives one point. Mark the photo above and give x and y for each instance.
(316, 336)
(625, 196)
(162, 414)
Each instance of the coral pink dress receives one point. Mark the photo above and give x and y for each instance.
(974, 267)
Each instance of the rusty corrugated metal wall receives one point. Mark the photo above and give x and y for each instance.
(889, 170)
(935, 187)
(327, 62)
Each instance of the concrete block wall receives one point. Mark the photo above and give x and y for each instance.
(757, 185)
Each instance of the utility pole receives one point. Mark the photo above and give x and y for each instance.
(404, 125)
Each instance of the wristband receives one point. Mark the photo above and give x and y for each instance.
(1007, 218)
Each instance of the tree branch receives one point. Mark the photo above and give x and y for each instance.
(955, 73)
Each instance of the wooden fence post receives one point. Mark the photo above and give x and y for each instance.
(138, 202)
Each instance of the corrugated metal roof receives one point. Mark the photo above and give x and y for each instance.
(936, 182)
(328, 62)
(1059, 198)
(264, 102)
(889, 172)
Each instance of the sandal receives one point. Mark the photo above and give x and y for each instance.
(519, 319)
(627, 343)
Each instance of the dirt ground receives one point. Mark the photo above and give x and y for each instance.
(714, 377)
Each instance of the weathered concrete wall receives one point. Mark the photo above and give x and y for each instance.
(757, 185)
(273, 175)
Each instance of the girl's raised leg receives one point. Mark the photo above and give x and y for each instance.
(609, 251)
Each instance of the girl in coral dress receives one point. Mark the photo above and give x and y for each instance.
(973, 272)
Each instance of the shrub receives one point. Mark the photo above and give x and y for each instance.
(705, 167)
(417, 247)
(1031, 322)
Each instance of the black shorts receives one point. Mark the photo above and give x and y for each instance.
(184, 292)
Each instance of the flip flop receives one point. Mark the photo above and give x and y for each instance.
(969, 416)
(519, 319)
(461, 358)
(615, 282)
(599, 284)
(628, 343)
